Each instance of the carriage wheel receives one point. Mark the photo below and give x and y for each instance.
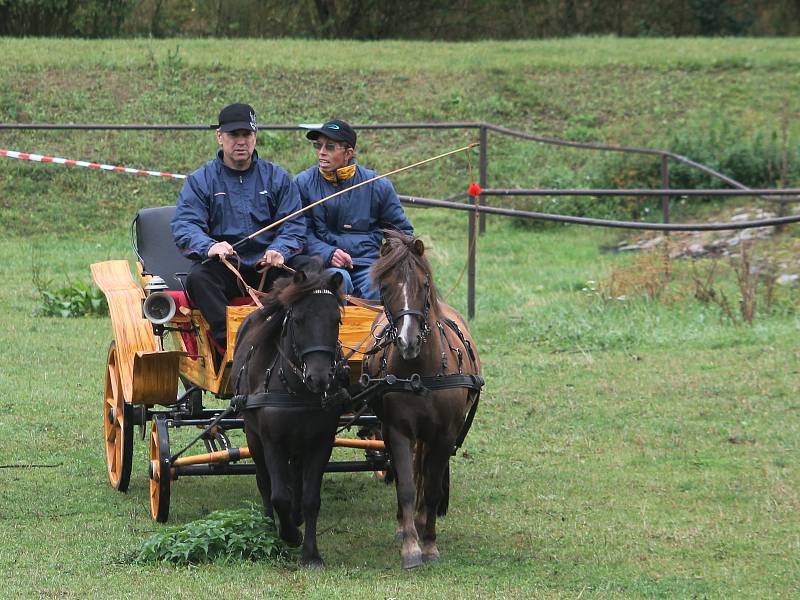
(160, 472)
(117, 425)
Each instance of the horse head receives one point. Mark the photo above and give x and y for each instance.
(407, 291)
(310, 337)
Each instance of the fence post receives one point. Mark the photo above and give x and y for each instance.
(665, 186)
(471, 242)
(482, 175)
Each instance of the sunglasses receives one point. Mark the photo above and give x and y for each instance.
(329, 147)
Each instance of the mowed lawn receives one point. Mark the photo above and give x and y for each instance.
(623, 448)
(657, 469)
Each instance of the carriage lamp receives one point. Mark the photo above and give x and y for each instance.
(158, 307)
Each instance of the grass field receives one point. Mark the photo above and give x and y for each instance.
(624, 449)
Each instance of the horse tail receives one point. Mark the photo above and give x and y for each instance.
(421, 452)
(441, 510)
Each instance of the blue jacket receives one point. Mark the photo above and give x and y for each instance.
(353, 221)
(217, 203)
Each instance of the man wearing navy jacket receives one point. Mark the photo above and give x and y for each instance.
(223, 202)
(347, 231)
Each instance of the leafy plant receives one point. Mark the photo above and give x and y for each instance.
(229, 535)
(75, 300)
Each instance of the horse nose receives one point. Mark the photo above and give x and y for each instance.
(318, 384)
(408, 350)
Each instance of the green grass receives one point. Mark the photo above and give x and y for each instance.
(622, 450)
(400, 56)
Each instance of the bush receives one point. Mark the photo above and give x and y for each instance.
(74, 300)
(232, 535)
(755, 159)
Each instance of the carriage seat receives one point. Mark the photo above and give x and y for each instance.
(157, 253)
(155, 248)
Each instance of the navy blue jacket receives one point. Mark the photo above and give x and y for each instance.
(353, 221)
(217, 203)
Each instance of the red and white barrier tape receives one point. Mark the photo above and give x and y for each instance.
(83, 163)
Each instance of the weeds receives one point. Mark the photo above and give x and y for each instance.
(75, 300)
(649, 275)
(229, 535)
(748, 277)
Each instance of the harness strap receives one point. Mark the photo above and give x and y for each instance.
(467, 423)
(423, 385)
(452, 325)
(276, 399)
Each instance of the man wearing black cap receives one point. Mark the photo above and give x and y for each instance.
(223, 202)
(346, 231)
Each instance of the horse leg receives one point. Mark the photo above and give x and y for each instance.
(281, 498)
(436, 465)
(296, 469)
(402, 460)
(313, 470)
(262, 475)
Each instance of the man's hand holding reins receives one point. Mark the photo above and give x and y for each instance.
(271, 258)
(221, 249)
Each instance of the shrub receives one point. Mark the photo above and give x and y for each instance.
(75, 300)
(231, 535)
(755, 159)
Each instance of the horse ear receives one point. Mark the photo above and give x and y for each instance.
(335, 282)
(419, 247)
(385, 249)
(299, 276)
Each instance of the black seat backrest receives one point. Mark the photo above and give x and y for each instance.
(155, 246)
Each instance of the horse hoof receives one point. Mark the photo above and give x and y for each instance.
(412, 561)
(313, 563)
(429, 557)
(292, 539)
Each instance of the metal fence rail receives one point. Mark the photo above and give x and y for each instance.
(478, 209)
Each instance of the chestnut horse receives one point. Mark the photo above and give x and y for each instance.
(286, 363)
(426, 365)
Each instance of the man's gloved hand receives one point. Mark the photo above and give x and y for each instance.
(271, 258)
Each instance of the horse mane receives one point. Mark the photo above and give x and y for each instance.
(286, 290)
(398, 256)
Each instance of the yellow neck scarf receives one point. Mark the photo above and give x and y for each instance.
(339, 175)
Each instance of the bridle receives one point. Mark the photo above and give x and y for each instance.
(288, 333)
(422, 315)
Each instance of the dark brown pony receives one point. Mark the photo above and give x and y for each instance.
(285, 362)
(427, 347)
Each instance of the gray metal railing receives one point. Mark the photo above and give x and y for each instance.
(478, 208)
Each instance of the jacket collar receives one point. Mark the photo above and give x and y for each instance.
(234, 172)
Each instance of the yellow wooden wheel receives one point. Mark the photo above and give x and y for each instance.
(117, 425)
(160, 470)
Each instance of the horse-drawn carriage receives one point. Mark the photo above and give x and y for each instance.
(162, 344)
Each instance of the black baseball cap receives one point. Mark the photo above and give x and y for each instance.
(237, 116)
(335, 129)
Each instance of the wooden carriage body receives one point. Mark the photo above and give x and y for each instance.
(146, 365)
